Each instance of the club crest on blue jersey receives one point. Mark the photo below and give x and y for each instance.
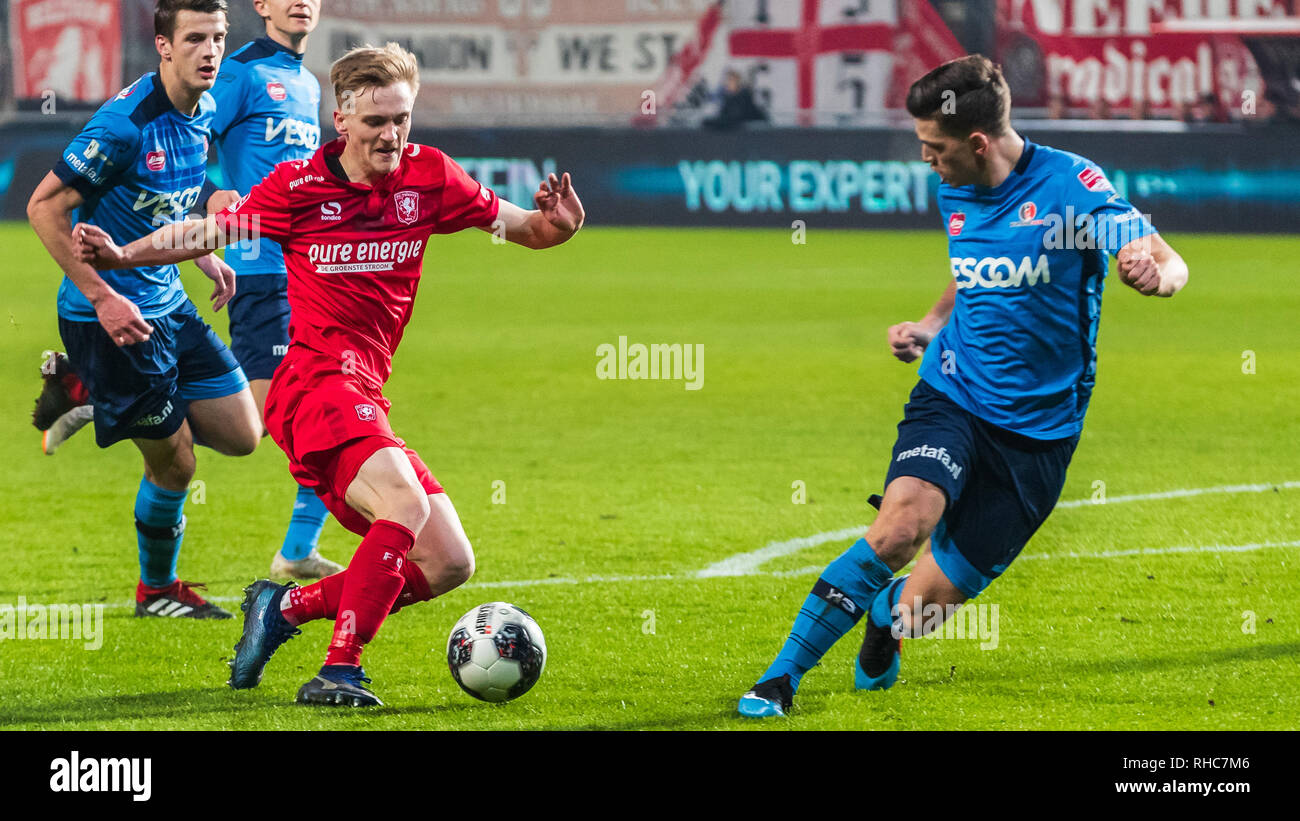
(1028, 210)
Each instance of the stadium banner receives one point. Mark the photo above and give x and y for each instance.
(65, 50)
(1220, 180)
(573, 62)
(1150, 57)
(542, 61)
(808, 62)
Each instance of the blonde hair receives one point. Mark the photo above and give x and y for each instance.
(370, 67)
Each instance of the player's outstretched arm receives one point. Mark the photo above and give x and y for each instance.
(50, 213)
(168, 245)
(908, 340)
(177, 242)
(1149, 266)
(558, 217)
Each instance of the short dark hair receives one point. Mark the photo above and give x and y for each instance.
(963, 95)
(164, 14)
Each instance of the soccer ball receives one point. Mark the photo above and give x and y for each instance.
(496, 652)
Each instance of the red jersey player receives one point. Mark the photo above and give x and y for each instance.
(354, 221)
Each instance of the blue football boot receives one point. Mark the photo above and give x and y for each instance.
(876, 667)
(264, 631)
(339, 685)
(768, 698)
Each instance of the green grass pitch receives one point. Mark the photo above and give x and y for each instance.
(1150, 613)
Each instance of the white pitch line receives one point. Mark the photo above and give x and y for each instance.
(814, 569)
(1179, 494)
(747, 564)
(744, 564)
(1165, 551)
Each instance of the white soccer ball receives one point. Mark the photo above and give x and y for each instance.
(496, 652)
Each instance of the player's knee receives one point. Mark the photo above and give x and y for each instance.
(897, 537)
(244, 442)
(250, 441)
(457, 570)
(247, 436)
(407, 506)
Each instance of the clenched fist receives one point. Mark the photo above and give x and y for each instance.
(1139, 271)
(907, 340)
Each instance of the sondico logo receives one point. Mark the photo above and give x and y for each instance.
(330, 212)
(1000, 272)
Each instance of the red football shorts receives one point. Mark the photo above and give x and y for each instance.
(329, 424)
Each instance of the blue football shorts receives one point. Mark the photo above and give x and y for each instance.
(259, 323)
(1001, 486)
(143, 390)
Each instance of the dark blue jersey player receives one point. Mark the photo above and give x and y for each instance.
(1008, 369)
(155, 372)
(268, 107)
(267, 112)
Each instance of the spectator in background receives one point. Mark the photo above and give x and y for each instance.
(737, 105)
(1209, 110)
(1100, 109)
(1142, 109)
(1056, 107)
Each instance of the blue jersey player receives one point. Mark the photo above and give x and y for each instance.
(1008, 369)
(154, 371)
(268, 107)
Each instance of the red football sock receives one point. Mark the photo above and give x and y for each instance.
(315, 601)
(321, 599)
(370, 589)
(416, 588)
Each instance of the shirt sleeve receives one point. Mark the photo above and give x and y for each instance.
(263, 212)
(1110, 219)
(228, 92)
(465, 202)
(105, 148)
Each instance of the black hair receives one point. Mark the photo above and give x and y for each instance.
(964, 95)
(164, 14)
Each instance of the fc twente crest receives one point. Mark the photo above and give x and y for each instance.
(408, 206)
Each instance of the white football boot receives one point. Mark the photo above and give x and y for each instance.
(65, 426)
(314, 566)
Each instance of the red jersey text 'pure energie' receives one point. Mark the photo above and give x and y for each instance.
(353, 252)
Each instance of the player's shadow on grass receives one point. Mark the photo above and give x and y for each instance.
(1192, 658)
(173, 704)
(696, 717)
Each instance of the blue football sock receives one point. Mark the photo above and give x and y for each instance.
(159, 529)
(309, 514)
(882, 607)
(838, 600)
